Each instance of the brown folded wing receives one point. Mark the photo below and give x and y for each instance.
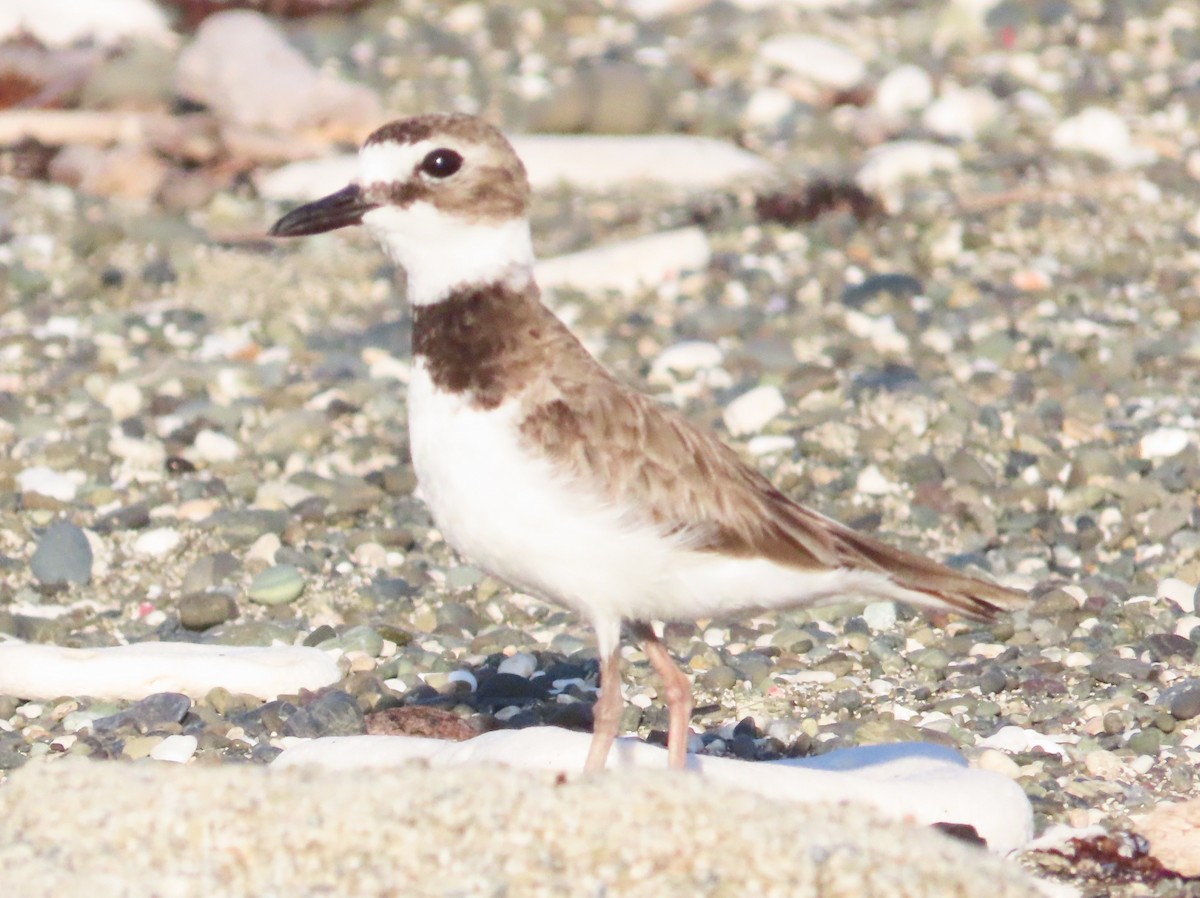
(641, 454)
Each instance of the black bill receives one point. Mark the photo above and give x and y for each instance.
(338, 210)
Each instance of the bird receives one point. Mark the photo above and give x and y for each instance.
(542, 468)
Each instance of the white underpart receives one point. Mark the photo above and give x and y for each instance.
(439, 251)
(515, 516)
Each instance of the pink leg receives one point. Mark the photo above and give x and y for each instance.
(606, 713)
(678, 693)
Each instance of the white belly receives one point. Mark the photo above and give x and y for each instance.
(512, 514)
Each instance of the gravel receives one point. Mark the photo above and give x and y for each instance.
(975, 336)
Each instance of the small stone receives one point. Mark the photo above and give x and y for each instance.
(819, 60)
(719, 678)
(241, 65)
(1100, 132)
(1146, 742)
(201, 610)
(890, 165)
(1183, 700)
(263, 549)
(686, 358)
(277, 585)
(903, 90)
(361, 639)
(1103, 764)
(137, 747)
(335, 713)
(145, 715)
(177, 749)
(998, 762)
(521, 664)
(63, 555)
(962, 114)
(1164, 442)
(753, 410)
(158, 543)
(880, 616)
(214, 447)
(48, 482)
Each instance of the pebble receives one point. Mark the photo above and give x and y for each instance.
(821, 61)
(241, 66)
(333, 713)
(962, 114)
(67, 23)
(904, 90)
(214, 447)
(998, 762)
(880, 616)
(158, 543)
(685, 358)
(45, 481)
(1178, 591)
(1164, 442)
(521, 664)
(1100, 132)
(63, 555)
(603, 162)
(277, 585)
(770, 444)
(1182, 700)
(890, 165)
(177, 748)
(130, 173)
(1103, 764)
(872, 482)
(628, 266)
(263, 549)
(147, 714)
(753, 410)
(204, 610)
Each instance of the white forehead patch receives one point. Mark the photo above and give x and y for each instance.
(390, 161)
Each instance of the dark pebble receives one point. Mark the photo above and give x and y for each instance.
(1114, 670)
(11, 760)
(209, 571)
(1164, 646)
(503, 689)
(847, 699)
(131, 517)
(264, 753)
(746, 727)
(389, 589)
(900, 286)
(744, 747)
(1183, 700)
(333, 714)
(201, 610)
(267, 720)
(63, 555)
(319, 635)
(159, 271)
(144, 716)
(992, 680)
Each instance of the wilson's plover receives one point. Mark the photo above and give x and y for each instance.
(550, 474)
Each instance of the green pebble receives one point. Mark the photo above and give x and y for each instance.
(1146, 742)
(277, 585)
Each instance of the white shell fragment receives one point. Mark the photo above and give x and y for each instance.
(132, 672)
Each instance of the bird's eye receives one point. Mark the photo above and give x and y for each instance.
(441, 163)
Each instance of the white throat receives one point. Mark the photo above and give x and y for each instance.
(440, 252)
